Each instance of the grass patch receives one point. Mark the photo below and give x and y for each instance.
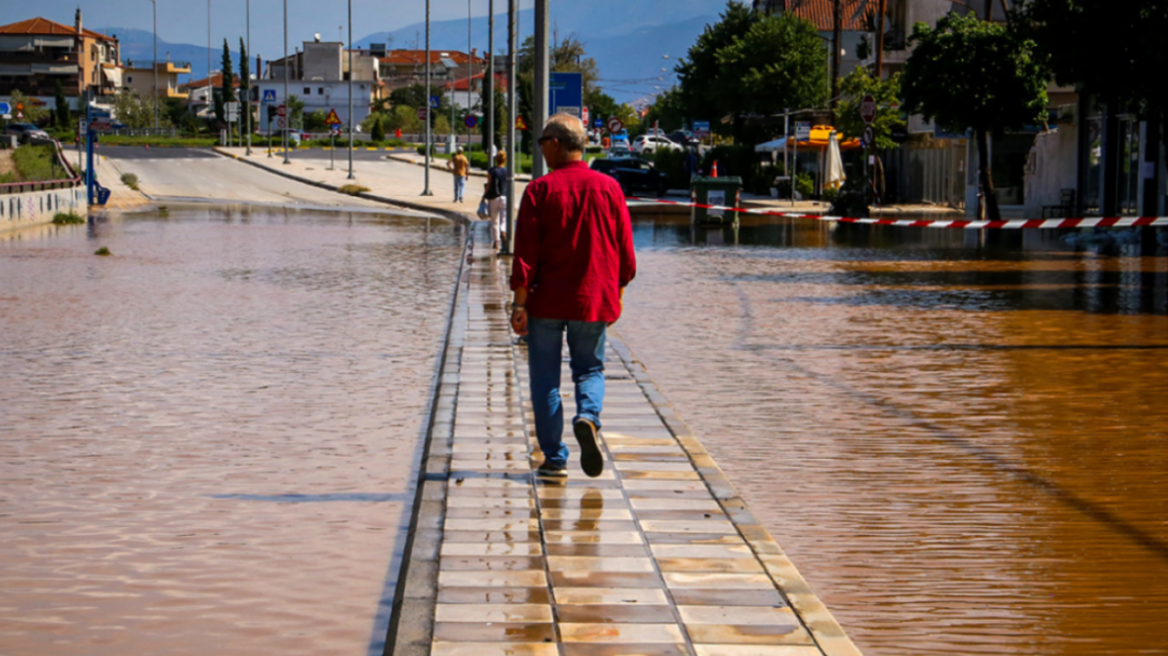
(7, 178)
(353, 190)
(67, 218)
(130, 180)
(37, 163)
(103, 251)
(478, 159)
(179, 142)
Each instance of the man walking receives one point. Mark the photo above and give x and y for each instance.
(573, 258)
(461, 167)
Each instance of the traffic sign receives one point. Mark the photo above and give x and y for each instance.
(231, 111)
(282, 111)
(566, 93)
(584, 115)
(868, 109)
(281, 123)
(422, 112)
(471, 121)
(5, 108)
(520, 124)
(802, 130)
(269, 95)
(869, 137)
(598, 123)
(100, 125)
(615, 125)
(332, 118)
(701, 129)
(434, 102)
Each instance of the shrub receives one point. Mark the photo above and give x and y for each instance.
(102, 251)
(378, 131)
(130, 180)
(37, 163)
(67, 218)
(353, 189)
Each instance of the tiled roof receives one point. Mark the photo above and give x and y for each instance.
(216, 81)
(419, 57)
(46, 27)
(852, 13)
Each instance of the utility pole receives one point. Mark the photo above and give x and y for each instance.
(542, 75)
(429, 137)
(512, 106)
(351, 75)
(247, 101)
(469, 72)
(836, 34)
(287, 105)
(489, 83)
(883, 7)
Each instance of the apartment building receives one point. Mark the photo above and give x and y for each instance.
(37, 53)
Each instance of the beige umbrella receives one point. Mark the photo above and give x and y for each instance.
(835, 164)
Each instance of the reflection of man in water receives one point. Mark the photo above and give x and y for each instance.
(573, 259)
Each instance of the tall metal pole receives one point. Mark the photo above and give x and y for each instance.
(155, 3)
(351, 75)
(210, 99)
(512, 151)
(489, 75)
(469, 70)
(287, 105)
(247, 101)
(429, 137)
(542, 75)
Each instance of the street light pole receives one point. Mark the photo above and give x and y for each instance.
(287, 105)
(247, 101)
(542, 75)
(429, 137)
(351, 73)
(155, 64)
(210, 99)
(512, 26)
(469, 70)
(489, 74)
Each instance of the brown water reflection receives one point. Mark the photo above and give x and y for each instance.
(208, 437)
(961, 444)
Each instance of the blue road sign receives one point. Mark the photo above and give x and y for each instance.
(566, 93)
(269, 95)
(701, 129)
(5, 108)
(434, 102)
(598, 123)
(471, 121)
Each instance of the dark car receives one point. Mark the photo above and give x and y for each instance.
(26, 132)
(683, 138)
(633, 174)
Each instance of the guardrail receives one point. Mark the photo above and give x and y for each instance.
(45, 185)
(139, 132)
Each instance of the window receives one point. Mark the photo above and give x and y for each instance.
(307, 91)
(129, 79)
(320, 91)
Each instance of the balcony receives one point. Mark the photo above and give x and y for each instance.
(164, 67)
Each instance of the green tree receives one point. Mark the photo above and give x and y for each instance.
(226, 85)
(779, 62)
(32, 114)
(377, 133)
(244, 80)
(61, 115)
(968, 73)
(138, 112)
(853, 88)
(702, 77)
(315, 121)
(295, 111)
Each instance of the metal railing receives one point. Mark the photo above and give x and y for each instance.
(140, 132)
(72, 181)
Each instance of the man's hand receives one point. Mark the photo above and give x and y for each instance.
(519, 321)
(622, 305)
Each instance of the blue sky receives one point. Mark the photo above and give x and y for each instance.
(185, 21)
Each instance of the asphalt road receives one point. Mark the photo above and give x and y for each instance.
(179, 174)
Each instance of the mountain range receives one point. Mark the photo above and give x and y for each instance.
(631, 41)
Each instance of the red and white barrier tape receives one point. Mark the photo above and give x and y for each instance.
(1089, 222)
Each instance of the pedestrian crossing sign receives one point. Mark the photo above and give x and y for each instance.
(332, 119)
(520, 124)
(269, 95)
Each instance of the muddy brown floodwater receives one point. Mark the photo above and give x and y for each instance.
(209, 437)
(962, 444)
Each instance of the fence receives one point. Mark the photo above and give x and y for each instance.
(34, 203)
(930, 172)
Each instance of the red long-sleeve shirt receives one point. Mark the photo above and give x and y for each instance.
(573, 245)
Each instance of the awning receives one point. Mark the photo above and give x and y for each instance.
(820, 137)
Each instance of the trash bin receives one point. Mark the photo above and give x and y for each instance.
(722, 192)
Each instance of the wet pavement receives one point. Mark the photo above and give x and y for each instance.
(960, 438)
(209, 437)
(657, 556)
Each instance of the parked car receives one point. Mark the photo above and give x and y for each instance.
(26, 132)
(647, 143)
(294, 136)
(633, 174)
(621, 149)
(683, 138)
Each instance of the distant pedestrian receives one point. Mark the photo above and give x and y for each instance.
(496, 195)
(573, 258)
(461, 168)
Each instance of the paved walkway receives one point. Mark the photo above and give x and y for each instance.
(657, 556)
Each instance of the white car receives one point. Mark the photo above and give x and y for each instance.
(647, 143)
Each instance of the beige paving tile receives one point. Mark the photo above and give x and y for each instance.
(493, 649)
(491, 563)
(686, 526)
(704, 505)
(750, 634)
(740, 550)
(756, 650)
(689, 475)
(492, 613)
(494, 596)
(599, 550)
(728, 565)
(586, 513)
(490, 513)
(464, 579)
(591, 537)
(489, 502)
(617, 613)
(580, 493)
(585, 563)
(498, 632)
(737, 615)
(648, 465)
(504, 537)
(664, 485)
(630, 596)
(594, 579)
(491, 524)
(718, 581)
(728, 597)
(660, 649)
(625, 633)
(491, 549)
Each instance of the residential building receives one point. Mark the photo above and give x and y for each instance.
(403, 68)
(319, 77)
(854, 23)
(140, 78)
(200, 93)
(37, 53)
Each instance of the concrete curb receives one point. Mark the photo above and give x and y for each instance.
(822, 625)
(394, 202)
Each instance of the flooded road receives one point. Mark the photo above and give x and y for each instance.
(963, 446)
(209, 437)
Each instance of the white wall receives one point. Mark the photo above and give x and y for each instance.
(38, 207)
(1050, 168)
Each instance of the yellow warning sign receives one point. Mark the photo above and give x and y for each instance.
(332, 119)
(520, 124)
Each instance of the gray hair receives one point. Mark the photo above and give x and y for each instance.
(568, 130)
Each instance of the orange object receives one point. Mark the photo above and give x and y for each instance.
(714, 171)
(397, 133)
(605, 143)
(820, 135)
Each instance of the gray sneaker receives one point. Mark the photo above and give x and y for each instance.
(591, 459)
(551, 471)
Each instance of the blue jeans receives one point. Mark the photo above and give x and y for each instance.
(545, 338)
(459, 186)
